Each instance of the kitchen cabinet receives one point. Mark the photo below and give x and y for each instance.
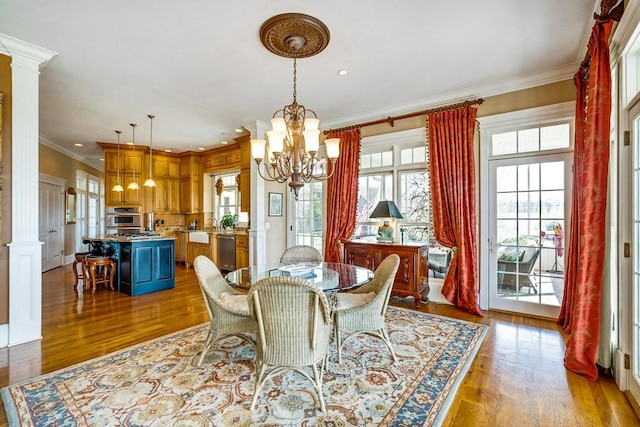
(146, 266)
(207, 249)
(222, 159)
(179, 241)
(412, 278)
(191, 183)
(166, 173)
(242, 251)
(130, 162)
(245, 173)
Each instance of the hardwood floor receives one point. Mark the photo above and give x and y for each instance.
(517, 378)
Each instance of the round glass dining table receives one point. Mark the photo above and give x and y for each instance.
(328, 276)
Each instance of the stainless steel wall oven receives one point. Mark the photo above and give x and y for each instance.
(123, 219)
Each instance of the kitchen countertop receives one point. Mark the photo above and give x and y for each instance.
(215, 232)
(111, 238)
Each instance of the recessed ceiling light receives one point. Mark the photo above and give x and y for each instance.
(168, 150)
(79, 145)
(342, 72)
(201, 148)
(239, 130)
(129, 143)
(224, 142)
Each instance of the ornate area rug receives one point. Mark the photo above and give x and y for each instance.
(156, 383)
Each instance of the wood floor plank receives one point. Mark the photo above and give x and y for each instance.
(517, 378)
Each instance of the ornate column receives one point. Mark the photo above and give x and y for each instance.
(25, 250)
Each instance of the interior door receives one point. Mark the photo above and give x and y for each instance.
(529, 217)
(51, 225)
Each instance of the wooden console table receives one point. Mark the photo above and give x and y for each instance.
(412, 278)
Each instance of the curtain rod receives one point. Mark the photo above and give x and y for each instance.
(390, 120)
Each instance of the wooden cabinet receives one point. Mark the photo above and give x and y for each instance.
(146, 266)
(130, 162)
(245, 173)
(191, 183)
(242, 251)
(166, 173)
(207, 249)
(412, 278)
(222, 159)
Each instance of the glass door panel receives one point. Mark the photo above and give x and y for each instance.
(529, 200)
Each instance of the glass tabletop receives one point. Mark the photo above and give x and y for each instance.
(328, 276)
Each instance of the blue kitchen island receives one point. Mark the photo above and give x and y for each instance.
(143, 264)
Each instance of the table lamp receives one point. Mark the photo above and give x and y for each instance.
(386, 209)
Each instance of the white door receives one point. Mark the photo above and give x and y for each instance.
(634, 383)
(51, 207)
(529, 217)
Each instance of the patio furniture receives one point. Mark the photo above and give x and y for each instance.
(515, 274)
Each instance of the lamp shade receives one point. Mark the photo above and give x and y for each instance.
(386, 209)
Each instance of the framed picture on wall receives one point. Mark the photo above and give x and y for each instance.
(275, 204)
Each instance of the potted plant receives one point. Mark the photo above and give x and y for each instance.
(229, 221)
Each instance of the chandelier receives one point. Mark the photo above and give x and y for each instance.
(292, 145)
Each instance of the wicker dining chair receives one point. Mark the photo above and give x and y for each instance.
(227, 308)
(300, 253)
(294, 330)
(362, 310)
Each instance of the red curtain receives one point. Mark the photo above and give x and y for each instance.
(342, 194)
(580, 312)
(453, 195)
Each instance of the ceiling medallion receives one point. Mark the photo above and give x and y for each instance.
(294, 35)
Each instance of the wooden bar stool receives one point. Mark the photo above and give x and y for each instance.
(100, 271)
(79, 259)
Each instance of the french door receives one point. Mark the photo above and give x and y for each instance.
(530, 201)
(634, 382)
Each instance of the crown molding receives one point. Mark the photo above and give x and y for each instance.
(45, 141)
(11, 46)
(500, 87)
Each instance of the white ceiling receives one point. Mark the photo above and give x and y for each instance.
(200, 68)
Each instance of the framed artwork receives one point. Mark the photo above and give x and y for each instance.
(275, 204)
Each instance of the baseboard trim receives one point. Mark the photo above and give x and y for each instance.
(4, 335)
(435, 291)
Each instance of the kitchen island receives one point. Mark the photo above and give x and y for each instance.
(144, 263)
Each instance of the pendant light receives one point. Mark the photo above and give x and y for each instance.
(133, 185)
(118, 188)
(150, 182)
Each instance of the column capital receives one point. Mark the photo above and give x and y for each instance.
(19, 49)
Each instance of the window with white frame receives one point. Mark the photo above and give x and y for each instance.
(89, 207)
(308, 216)
(227, 197)
(400, 174)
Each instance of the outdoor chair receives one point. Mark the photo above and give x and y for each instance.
(515, 274)
(294, 330)
(300, 253)
(362, 311)
(227, 308)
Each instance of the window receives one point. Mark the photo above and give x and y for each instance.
(89, 207)
(530, 140)
(308, 216)
(398, 174)
(228, 197)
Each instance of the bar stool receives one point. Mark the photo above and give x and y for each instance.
(100, 271)
(79, 259)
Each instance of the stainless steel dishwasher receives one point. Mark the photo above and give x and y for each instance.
(227, 252)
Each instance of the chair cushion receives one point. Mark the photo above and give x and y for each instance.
(235, 303)
(349, 300)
